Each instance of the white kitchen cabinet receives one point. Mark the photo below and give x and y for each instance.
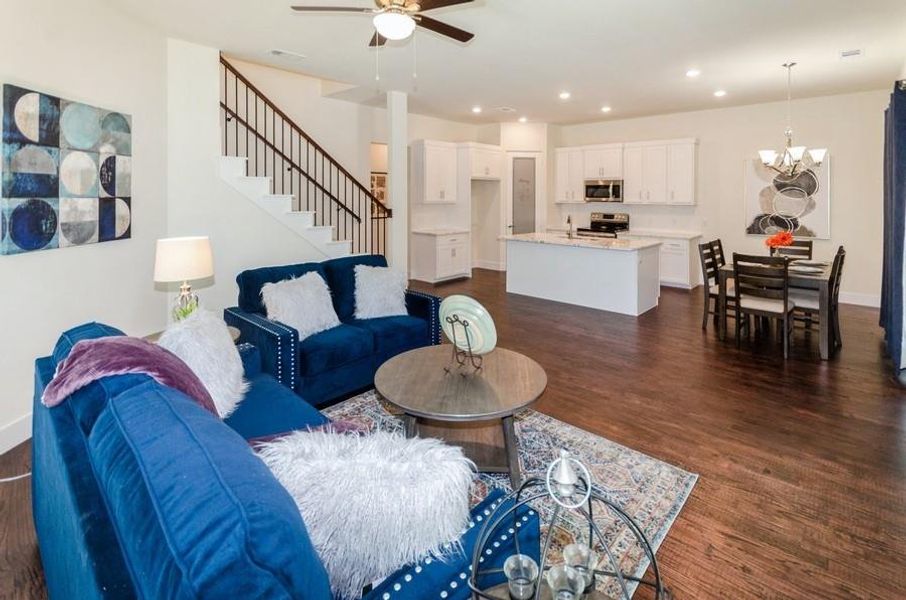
(659, 172)
(570, 184)
(486, 163)
(633, 175)
(434, 172)
(438, 255)
(603, 162)
(678, 257)
(681, 173)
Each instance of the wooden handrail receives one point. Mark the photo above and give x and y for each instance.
(301, 133)
(232, 114)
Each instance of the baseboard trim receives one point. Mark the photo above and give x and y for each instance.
(489, 264)
(14, 433)
(860, 299)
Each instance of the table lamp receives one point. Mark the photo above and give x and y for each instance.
(183, 259)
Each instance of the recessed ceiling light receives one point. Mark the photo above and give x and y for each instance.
(564, 95)
(605, 109)
(476, 109)
(693, 73)
(720, 93)
(506, 109)
(523, 119)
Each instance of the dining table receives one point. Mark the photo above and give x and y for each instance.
(809, 281)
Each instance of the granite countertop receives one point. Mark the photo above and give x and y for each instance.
(442, 231)
(665, 233)
(560, 239)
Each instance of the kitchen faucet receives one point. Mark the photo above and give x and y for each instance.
(569, 226)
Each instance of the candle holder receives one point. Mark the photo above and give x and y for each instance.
(569, 486)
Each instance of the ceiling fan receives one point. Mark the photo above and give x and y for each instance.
(397, 19)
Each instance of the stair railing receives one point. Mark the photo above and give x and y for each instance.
(275, 147)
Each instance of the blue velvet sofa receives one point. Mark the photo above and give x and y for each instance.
(138, 492)
(337, 362)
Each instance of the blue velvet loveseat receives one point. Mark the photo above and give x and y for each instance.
(138, 492)
(337, 362)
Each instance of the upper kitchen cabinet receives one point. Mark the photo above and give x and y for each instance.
(603, 162)
(569, 184)
(681, 173)
(660, 172)
(434, 172)
(485, 162)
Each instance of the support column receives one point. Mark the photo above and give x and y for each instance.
(398, 178)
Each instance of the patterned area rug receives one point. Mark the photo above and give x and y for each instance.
(652, 492)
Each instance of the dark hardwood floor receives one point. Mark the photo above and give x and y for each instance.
(802, 491)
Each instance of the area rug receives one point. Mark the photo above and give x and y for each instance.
(651, 491)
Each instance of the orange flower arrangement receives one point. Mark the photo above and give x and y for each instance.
(778, 240)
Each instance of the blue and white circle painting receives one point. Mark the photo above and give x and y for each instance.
(33, 224)
(80, 125)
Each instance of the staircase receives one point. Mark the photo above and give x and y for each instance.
(269, 159)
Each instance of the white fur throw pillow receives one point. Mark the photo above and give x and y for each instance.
(303, 303)
(379, 292)
(203, 342)
(373, 503)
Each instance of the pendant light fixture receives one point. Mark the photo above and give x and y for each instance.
(792, 160)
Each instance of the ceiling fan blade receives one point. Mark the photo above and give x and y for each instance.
(442, 28)
(331, 9)
(432, 4)
(377, 40)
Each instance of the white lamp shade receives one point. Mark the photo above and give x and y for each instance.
(818, 155)
(183, 259)
(796, 152)
(394, 25)
(767, 156)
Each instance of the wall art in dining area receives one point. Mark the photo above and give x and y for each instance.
(66, 173)
(799, 204)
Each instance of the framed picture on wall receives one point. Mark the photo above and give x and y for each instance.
(379, 185)
(775, 202)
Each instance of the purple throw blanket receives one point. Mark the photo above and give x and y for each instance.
(95, 359)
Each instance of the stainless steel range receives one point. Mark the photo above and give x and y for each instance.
(605, 225)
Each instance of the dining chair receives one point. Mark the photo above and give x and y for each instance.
(798, 249)
(808, 307)
(762, 290)
(711, 255)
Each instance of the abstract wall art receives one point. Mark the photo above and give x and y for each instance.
(66, 173)
(799, 204)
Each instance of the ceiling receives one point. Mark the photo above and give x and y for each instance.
(631, 55)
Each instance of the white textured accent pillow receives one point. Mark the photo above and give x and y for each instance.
(379, 292)
(204, 343)
(373, 503)
(303, 303)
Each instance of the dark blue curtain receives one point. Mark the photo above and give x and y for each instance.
(894, 222)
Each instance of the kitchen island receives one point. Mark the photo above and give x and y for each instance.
(608, 274)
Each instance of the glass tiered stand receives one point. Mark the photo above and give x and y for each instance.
(569, 486)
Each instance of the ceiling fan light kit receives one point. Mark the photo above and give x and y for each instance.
(792, 160)
(394, 24)
(397, 19)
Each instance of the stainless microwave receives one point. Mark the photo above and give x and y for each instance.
(604, 190)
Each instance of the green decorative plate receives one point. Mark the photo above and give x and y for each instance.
(482, 332)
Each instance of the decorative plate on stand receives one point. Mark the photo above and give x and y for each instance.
(480, 336)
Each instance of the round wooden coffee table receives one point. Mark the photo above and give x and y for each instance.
(468, 408)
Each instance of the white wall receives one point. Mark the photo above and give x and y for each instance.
(378, 161)
(849, 125)
(87, 52)
(242, 235)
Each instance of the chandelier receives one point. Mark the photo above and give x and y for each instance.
(792, 160)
